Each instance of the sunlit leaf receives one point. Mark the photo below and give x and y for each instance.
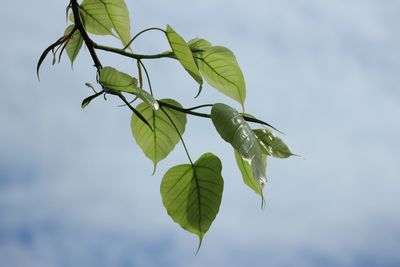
(74, 44)
(272, 145)
(119, 16)
(247, 173)
(102, 16)
(198, 44)
(192, 193)
(234, 129)
(220, 69)
(183, 54)
(95, 17)
(114, 81)
(157, 144)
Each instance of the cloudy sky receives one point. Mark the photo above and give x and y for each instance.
(75, 189)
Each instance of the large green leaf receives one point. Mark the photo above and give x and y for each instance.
(74, 44)
(220, 69)
(183, 54)
(102, 16)
(272, 145)
(234, 129)
(157, 144)
(114, 81)
(192, 193)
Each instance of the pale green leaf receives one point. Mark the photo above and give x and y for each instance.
(157, 144)
(247, 174)
(119, 17)
(220, 69)
(232, 127)
(74, 44)
(272, 145)
(198, 44)
(114, 81)
(183, 54)
(103, 16)
(192, 193)
(95, 17)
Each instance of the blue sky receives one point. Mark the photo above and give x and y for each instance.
(75, 189)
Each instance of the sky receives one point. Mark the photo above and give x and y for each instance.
(76, 190)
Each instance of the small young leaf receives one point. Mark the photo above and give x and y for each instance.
(247, 174)
(192, 194)
(234, 129)
(220, 69)
(183, 54)
(157, 144)
(198, 44)
(114, 81)
(74, 44)
(272, 145)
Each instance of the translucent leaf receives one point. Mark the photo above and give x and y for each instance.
(199, 44)
(95, 17)
(102, 16)
(220, 69)
(74, 44)
(234, 129)
(247, 174)
(114, 81)
(183, 54)
(272, 145)
(157, 144)
(192, 193)
(119, 16)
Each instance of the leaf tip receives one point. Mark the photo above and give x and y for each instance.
(200, 242)
(200, 89)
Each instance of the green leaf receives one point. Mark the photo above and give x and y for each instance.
(157, 144)
(247, 174)
(220, 69)
(114, 81)
(232, 127)
(95, 17)
(197, 44)
(119, 16)
(102, 16)
(74, 44)
(272, 145)
(183, 54)
(192, 194)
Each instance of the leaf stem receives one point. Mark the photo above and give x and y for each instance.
(180, 136)
(167, 54)
(147, 75)
(138, 34)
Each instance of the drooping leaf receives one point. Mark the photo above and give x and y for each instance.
(119, 16)
(114, 81)
(247, 174)
(157, 144)
(232, 127)
(220, 69)
(74, 44)
(183, 54)
(272, 145)
(192, 194)
(102, 16)
(198, 44)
